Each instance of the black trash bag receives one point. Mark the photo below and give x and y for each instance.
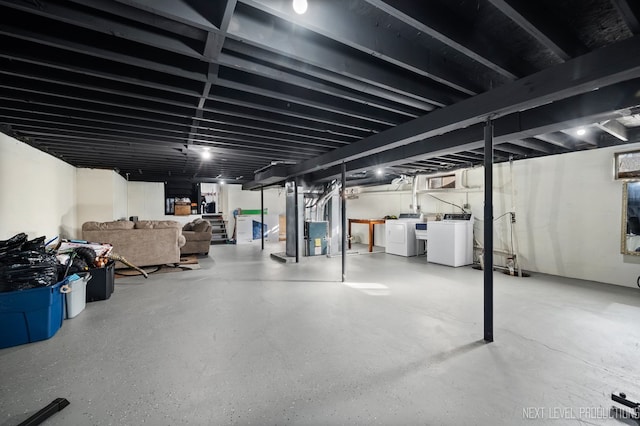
(62, 270)
(29, 257)
(13, 244)
(19, 277)
(21, 270)
(36, 244)
(18, 239)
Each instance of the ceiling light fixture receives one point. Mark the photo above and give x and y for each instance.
(379, 172)
(206, 154)
(581, 131)
(221, 182)
(300, 6)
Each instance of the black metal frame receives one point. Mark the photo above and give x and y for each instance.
(622, 399)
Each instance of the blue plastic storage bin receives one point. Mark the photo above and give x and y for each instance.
(30, 315)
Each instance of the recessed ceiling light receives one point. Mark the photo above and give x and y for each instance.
(379, 172)
(581, 131)
(206, 154)
(300, 6)
(221, 182)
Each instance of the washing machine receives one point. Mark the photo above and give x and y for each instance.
(450, 241)
(400, 234)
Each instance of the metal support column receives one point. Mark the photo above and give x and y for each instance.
(297, 233)
(262, 215)
(343, 205)
(488, 231)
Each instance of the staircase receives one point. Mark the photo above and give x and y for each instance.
(219, 228)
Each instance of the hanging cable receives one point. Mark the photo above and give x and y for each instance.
(501, 216)
(446, 202)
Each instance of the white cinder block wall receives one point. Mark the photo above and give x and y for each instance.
(102, 196)
(376, 202)
(38, 192)
(146, 200)
(234, 197)
(568, 207)
(568, 213)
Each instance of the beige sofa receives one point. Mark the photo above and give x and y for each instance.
(143, 243)
(198, 236)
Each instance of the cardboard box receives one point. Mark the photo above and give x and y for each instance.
(182, 209)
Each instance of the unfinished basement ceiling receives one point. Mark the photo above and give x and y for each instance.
(143, 87)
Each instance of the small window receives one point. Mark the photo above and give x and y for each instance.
(627, 165)
(441, 182)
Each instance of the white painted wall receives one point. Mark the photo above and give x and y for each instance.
(38, 192)
(568, 213)
(234, 197)
(120, 196)
(376, 202)
(146, 200)
(95, 195)
(568, 206)
(102, 196)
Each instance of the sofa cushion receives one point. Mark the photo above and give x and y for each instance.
(107, 226)
(196, 236)
(157, 224)
(164, 224)
(188, 227)
(201, 225)
(144, 224)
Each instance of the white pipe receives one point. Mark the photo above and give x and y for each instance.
(382, 191)
(461, 190)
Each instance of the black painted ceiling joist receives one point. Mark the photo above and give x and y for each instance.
(539, 22)
(363, 33)
(273, 38)
(597, 69)
(263, 56)
(516, 128)
(629, 11)
(82, 79)
(435, 22)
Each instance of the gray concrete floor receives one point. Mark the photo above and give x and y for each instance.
(248, 340)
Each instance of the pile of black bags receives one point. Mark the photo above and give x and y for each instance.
(26, 264)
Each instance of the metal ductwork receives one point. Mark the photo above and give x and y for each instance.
(275, 172)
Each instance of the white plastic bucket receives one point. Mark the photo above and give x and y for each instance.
(76, 297)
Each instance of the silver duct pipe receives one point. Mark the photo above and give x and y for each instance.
(324, 198)
(414, 193)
